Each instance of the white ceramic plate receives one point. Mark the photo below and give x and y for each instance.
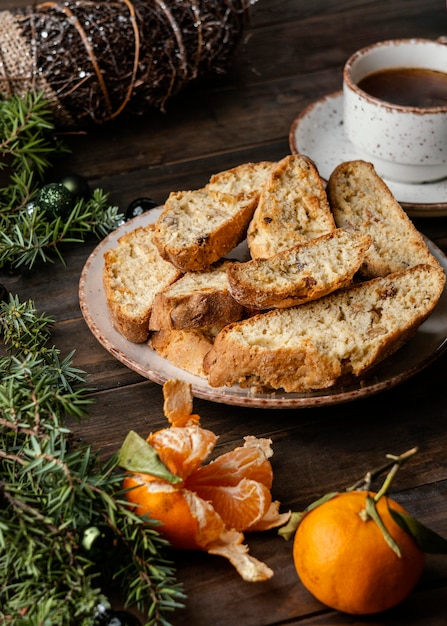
(428, 344)
(318, 133)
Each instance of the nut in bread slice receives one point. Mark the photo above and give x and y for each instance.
(314, 345)
(293, 207)
(196, 228)
(361, 201)
(305, 272)
(196, 300)
(133, 273)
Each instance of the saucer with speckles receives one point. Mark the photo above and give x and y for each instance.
(318, 133)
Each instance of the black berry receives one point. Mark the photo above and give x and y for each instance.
(139, 206)
(109, 617)
(4, 294)
(77, 185)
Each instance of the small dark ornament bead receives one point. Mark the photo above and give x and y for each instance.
(4, 294)
(78, 186)
(109, 617)
(139, 206)
(55, 199)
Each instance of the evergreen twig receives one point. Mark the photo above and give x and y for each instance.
(27, 147)
(66, 531)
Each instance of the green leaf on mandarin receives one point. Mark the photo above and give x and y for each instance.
(427, 540)
(137, 455)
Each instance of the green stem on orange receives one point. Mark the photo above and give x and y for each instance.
(289, 529)
(370, 511)
(365, 482)
(397, 462)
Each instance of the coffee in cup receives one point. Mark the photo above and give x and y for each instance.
(395, 108)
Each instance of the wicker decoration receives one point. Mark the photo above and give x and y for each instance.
(95, 59)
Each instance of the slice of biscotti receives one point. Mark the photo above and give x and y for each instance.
(185, 348)
(196, 300)
(361, 201)
(292, 208)
(133, 273)
(196, 228)
(312, 346)
(245, 178)
(305, 272)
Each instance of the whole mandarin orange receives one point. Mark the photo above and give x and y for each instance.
(343, 559)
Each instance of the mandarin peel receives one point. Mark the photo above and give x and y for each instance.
(201, 506)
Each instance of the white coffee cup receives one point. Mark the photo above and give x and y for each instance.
(405, 143)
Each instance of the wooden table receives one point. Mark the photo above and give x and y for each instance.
(293, 53)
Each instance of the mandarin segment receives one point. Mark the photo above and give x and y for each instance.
(272, 518)
(183, 449)
(241, 505)
(247, 461)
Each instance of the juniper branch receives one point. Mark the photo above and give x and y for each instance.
(65, 527)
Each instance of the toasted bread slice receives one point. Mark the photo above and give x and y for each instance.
(361, 201)
(196, 300)
(292, 208)
(185, 348)
(196, 228)
(314, 345)
(133, 273)
(305, 272)
(246, 178)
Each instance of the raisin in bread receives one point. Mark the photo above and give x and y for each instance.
(293, 207)
(196, 300)
(361, 201)
(133, 273)
(300, 274)
(314, 345)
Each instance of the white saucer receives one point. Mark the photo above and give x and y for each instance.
(318, 133)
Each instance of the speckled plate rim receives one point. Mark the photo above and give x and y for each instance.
(428, 344)
(318, 133)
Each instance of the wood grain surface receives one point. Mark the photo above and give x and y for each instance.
(292, 54)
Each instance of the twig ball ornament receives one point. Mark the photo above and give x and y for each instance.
(94, 60)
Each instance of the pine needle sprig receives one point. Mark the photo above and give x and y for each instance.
(31, 235)
(28, 145)
(66, 531)
(25, 144)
